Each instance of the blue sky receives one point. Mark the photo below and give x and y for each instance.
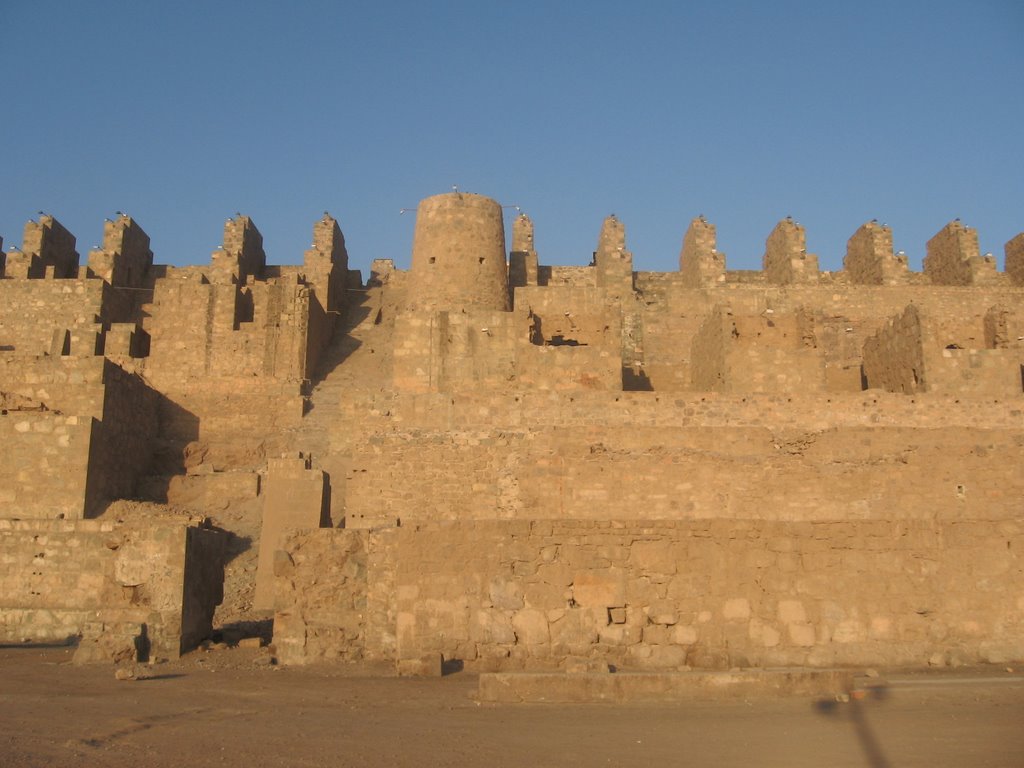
(835, 113)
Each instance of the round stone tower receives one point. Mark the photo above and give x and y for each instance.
(458, 254)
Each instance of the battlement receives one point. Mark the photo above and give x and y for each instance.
(48, 250)
(597, 419)
(125, 258)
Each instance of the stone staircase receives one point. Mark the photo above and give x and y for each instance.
(357, 362)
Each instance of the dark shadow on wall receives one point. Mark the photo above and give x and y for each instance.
(452, 666)
(325, 503)
(68, 642)
(176, 428)
(129, 446)
(239, 630)
(342, 344)
(635, 380)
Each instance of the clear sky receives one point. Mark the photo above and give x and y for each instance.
(182, 113)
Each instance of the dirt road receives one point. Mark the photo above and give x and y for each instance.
(223, 708)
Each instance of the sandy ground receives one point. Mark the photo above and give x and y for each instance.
(230, 707)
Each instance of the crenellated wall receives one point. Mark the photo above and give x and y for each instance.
(533, 463)
(48, 250)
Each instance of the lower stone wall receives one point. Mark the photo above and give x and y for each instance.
(152, 582)
(503, 595)
(320, 591)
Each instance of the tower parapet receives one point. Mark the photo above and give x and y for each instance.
(240, 255)
(522, 262)
(786, 260)
(869, 257)
(46, 247)
(1014, 250)
(953, 258)
(699, 262)
(458, 254)
(614, 264)
(326, 263)
(125, 256)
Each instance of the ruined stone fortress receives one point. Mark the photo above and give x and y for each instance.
(512, 465)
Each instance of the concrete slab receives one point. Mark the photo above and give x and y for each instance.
(619, 687)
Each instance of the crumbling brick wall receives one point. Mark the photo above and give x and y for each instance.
(894, 357)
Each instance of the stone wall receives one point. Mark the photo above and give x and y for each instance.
(106, 581)
(894, 357)
(296, 496)
(70, 385)
(842, 319)
(563, 368)
(613, 264)
(706, 467)
(84, 431)
(46, 477)
(907, 356)
(125, 258)
(235, 423)
(200, 330)
(31, 311)
(644, 595)
(636, 473)
(708, 366)
(987, 372)
(449, 351)
(366, 414)
(321, 583)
